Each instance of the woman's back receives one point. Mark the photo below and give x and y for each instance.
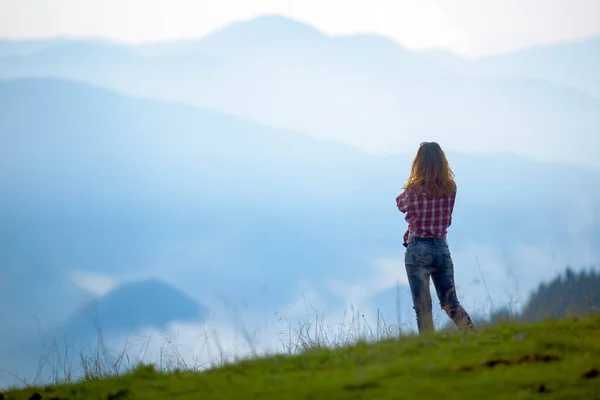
(427, 216)
(429, 194)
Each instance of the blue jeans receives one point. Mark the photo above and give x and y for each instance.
(425, 258)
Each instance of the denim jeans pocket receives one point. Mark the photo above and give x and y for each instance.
(418, 257)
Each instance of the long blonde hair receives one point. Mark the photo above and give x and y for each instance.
(431, 173)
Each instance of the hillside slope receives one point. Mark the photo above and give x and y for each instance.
(558, 359)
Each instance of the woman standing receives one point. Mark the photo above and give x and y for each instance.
(428, 202)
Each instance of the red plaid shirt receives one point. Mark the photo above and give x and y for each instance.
(426, 217)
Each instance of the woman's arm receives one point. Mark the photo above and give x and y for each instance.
(402, 202)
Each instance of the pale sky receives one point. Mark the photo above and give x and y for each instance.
(467, 27)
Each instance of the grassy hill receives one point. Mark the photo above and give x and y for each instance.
(551, 360)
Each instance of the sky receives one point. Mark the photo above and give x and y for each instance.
(470, 28)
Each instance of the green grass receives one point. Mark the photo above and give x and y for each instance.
(546, 360)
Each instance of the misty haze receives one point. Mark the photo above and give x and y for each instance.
(243, 182)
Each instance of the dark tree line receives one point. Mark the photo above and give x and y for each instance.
(569, 294)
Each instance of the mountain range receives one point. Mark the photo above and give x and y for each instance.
(362, 90)
(569, 64)
(95, 180)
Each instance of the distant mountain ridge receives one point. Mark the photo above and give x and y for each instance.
(268, 26)
(133, 172)
(572, 64)
(362, 90)
(131, 307)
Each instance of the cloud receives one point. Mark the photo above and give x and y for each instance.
(582, 227)
(226, 336)
(497, 26)
(230, 336)
(388, 272)
(189, 345)
(96, 284)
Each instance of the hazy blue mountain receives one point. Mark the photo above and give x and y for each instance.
(361, 90)
(24, 47)
(245, 37)
(129, 308)
(286, 46)
(573, 64)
